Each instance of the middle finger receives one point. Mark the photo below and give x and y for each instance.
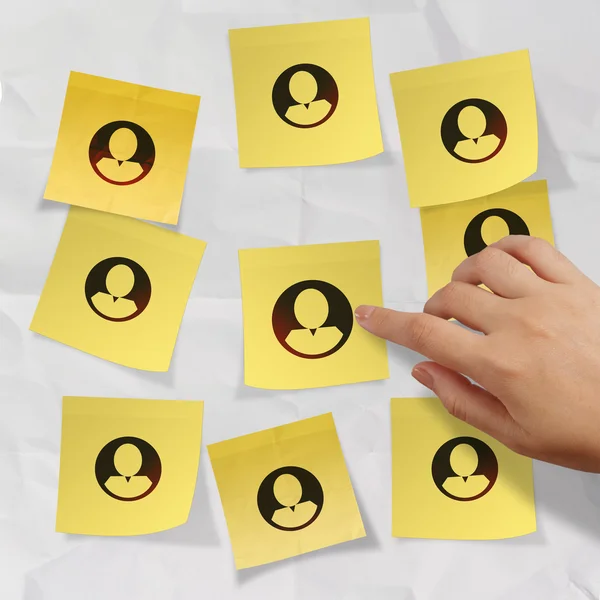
(501, 273)
(471, 305)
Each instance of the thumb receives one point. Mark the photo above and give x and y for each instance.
(468, 402)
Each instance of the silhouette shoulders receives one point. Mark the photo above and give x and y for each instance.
(324, 339)
(484, 147)
(315, 112)
(126, 171)
(117, 309)
(302, 514)
(460, 488)
(136, 486)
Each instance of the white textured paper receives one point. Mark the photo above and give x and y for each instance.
(183, 45)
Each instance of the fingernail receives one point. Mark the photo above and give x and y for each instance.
(423, 377)
(362, 313)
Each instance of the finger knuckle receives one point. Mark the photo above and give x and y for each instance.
(419, 331)
(455, 407)
(512, 266)
(449, 294)
(381, 319)
(518, 439)
(537, 329)
(518, 445)
(535, 322)
(482, 259)
(507, 367)
(539, 247)
(534, 245)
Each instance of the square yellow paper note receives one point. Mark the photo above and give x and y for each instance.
(450, 481)
(468, 128)
(453, 232)
(118, 288)
(299, 328)
(127, 467)
(285, 491)
(123, 148)
(305, 94)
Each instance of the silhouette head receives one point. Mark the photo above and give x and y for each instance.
(303, 87)
(472, 122)
(120, 281)
(494, 228)
(311, 309)
(464, 460)
(123, 144)
(287, 490)
(128, 460)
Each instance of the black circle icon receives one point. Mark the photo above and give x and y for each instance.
(128, 469)
(305, 96)
(474, 241)
(315, 339)
(470, 484)
(122, 166)
(118, 300)
(474, 130)
(303, 504)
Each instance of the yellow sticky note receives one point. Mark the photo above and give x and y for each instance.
(118, 288)
(453, 232)
(299, 328)
(468, 129)
(305, 94)
(285, 491)
(123, 148)
(127, 467)
(451, 481)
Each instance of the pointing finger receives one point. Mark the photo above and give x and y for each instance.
(446, 343)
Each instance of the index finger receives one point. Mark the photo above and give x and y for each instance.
(444, 342)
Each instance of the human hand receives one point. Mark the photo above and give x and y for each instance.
(537, 365)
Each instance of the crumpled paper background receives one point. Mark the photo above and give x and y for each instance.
(182, 45)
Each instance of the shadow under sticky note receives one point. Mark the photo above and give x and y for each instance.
(123, 148)
(298, 304)
(285, 491)
(127, 467)
(452, 232)
(451, 481)
(468, 129)
(305, 94)
(118, 288)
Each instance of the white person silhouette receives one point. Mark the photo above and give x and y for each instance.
(311, 309)
(472, 123)
(119, 282)
(128, 462)
(308, 111)
(464, 461)
(288, 492)
(123, 145)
